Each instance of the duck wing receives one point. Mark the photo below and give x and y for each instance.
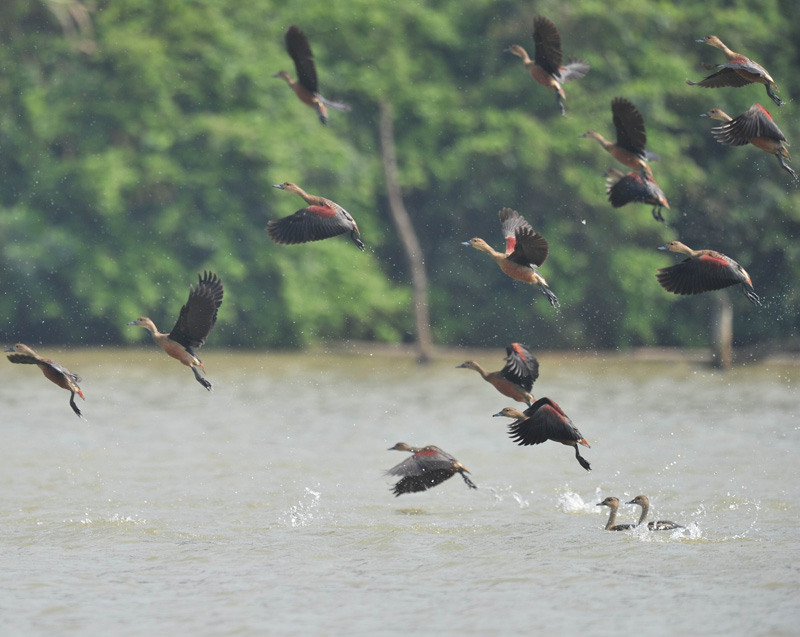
(630, 126)
(754, 122)
(724, 77)
(546, 421)
(702, 274)
(548, 45)
(521, 367)
(510, 221)
(300, 51)
(531, 248)
(313, 223)
(199, 315)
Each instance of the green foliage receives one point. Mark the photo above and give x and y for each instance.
(140, 150)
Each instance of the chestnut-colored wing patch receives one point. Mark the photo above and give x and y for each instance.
(314, 223)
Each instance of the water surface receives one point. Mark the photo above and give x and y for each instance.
(262, 507)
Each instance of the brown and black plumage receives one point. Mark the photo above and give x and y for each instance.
(194, 324)
(306, 87)
(55, 373)
(542, 421)
(738, 71)
(630, 148)
(638, 187)
(425, 469)
(755, 126)
(613, 503)
(546, 67)
(321, 219)
(516, 378)
(525, 251)
(703, 271)
(660, 525)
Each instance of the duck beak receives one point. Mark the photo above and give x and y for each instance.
(279, 186)
(704, 115)
(132, 323)
(701, 41)
(663, 248)
(499, 413)
(508, 50)
(599, 504)
(10, 349)
(631, 502)
(466, 243)
(457, 366)
(276, 75)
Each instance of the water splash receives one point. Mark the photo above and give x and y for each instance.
(305, 511)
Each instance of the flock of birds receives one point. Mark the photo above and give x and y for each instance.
(525, 250)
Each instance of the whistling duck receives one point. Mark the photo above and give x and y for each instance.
(542, 421)
(52, 372)
(613, 503)
(737, 72)
(755, 126)
(194, 324)
(525, 250)
(546, 67)
(661, 525)
(516, 378)
(428, 467)
(639, 187)
(631, 147)
(321, 219)
(306, 86)
(703, 271)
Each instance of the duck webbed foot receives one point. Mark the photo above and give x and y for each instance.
(73, 405)
(203, 381)
(772, 96)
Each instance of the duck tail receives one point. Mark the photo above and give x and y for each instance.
(335, 104)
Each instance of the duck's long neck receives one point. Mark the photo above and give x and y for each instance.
(151, 327)
(311, 200)
(612, 517)
(480, 370)
(725, 50)
(600, 139)
(497, 256)
(643, 516)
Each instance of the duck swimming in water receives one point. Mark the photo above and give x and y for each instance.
(195, 322)
(738, 71)
(55, 373)
(516, 378)
(703, 271)
(526, 250)
(613, 503)
(321, 219)
(306, 87)
(542, 421)
(661, 525)
(425, 469)
(546, 67)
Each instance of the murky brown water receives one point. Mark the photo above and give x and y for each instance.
(263, 508)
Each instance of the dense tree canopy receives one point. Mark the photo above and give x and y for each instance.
(139, 140)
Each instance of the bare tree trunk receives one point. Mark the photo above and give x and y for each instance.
(419, 278)
(722, 331)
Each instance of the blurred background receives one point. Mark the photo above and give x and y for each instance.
(139, 141)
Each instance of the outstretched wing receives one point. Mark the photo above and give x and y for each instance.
(531, 248)
(510, 221)
(521, 367)
(313, 223)
(724, 77)
(198, 316)
(754, 122)
(630, 126)
(548, 45)
(300, 51)
(546, 421)
(423, 482)
(693, 276)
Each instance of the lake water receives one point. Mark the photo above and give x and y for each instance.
(263, 507)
